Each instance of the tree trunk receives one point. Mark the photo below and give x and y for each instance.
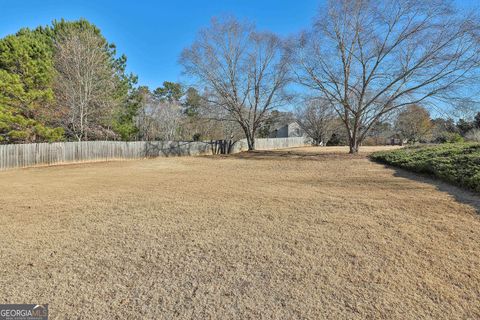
(354, 139)
(250, 143)
(250, 135)
(354, 145)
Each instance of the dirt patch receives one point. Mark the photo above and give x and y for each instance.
(230, 238)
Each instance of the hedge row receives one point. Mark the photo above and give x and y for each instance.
(455, 163)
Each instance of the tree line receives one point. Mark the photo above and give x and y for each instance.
(66, 82)
(62, 81)
(360, 63)
(363, 59)
(412, 124)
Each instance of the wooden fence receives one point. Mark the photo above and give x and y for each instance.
(28, 155)
(273, 143)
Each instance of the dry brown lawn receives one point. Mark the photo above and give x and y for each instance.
(293, 234)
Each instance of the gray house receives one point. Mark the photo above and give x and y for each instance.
(292, 129)
(396, 139)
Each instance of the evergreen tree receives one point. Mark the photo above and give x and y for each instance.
(171, 92)
(464, 126)
(193, 102)
(26, 74)
(476, 121)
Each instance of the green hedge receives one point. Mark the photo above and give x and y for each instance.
(455, 163)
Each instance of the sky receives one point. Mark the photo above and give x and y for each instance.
(151, 33)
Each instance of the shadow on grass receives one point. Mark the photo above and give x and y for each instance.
(459, 194)
(462, 195)
(291, 155)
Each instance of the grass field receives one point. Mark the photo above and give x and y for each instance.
(293, 234)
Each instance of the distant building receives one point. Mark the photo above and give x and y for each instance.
(290, 130)
(396, 139)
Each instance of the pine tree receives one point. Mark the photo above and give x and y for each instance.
(26, 74)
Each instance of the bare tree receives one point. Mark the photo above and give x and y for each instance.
(371, 57)
(158, 119)
(318, 119)
(144, 120)
(244, 70)
(473, 135)
(84, 82)
(168, 118)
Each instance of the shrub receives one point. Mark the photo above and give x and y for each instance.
(453, 137)
(449, 137)
(455, 163)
